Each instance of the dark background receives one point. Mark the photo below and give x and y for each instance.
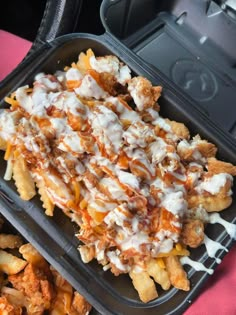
(23, 17)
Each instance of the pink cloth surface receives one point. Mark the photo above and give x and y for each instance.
(13, 49)
(218, 295)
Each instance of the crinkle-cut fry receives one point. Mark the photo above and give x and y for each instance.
(46, 201)
(178, 129)
(159, 274)
(32, 256)
(215, 167)
(11, 264)
(23, 179)
(177, 275)
(3, 144)
(144, 285)
(10, 241)
(210, 203)
(57, 190)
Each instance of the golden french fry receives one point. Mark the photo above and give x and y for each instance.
(57, 190)
(159, 274)
(11, 264)
(175, 252)
(47, 202)
(10, 241)
(144, 285)
(177, 275)
(9, 170)
(32, 256)
(23, 179)
(87, 253)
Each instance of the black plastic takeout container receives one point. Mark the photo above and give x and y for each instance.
(191, 43)
(54, 236)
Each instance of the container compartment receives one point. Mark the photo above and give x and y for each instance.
(54, 237)
(192, 43)
(7, 228)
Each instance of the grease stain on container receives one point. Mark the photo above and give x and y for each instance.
(195, 79)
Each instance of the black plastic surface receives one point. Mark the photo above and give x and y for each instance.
(192, 43)
(54, 237)
(60, 17)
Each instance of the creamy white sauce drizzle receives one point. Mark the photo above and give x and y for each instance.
(229, 227)
(89, 88)
(195, 264)
(175, 203)
(214, 183)
(212, 248)
(114, 126)
(73, 74)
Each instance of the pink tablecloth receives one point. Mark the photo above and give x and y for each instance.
(12, 51)
(218, 295)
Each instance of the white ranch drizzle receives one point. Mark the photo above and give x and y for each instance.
(214, 183)
(212, 247)
(195, 264)
(109, 119)
(229, 227)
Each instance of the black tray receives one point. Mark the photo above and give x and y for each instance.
(54, 237)
(192, 43)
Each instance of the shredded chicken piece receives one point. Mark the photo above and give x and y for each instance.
(179, 129)
(192, 233)
(206, 148)
(8, 309)
(79, 305)
(143, 93)
(215, 167)
(209, 202)
(35, 285)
